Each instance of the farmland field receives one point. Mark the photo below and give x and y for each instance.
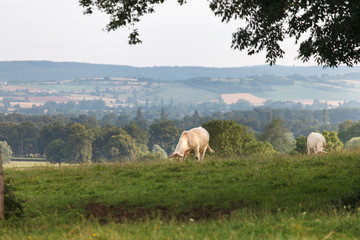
(278, 197)
(118, 90)
(234, 97)
(29, 164)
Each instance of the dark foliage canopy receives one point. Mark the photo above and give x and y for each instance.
(326, 30)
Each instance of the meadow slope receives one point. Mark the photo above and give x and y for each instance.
(279, 197)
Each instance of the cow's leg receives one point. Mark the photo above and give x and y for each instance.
(315, 150)
(308, 150)
(197, 154)
(203, 154)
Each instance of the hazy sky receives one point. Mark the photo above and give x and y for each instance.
(188, 35)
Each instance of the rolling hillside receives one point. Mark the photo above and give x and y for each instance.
(47, 71)
(27, 83)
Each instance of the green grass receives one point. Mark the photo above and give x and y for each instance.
(278, 197)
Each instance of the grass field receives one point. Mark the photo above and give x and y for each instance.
(16, 165)
(181, 91)
(278, 197)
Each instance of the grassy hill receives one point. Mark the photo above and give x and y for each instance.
(57, 71)
(37, 82)
(277, 197)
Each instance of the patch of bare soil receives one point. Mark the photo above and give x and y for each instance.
(120, 213)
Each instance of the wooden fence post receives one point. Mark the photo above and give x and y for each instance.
(2, 192)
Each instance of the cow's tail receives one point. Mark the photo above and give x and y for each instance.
(209, 148)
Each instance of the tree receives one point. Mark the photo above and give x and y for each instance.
(102, 136)
(54, 151)
(330, 27)
(86, 120)
(140, 120)
(349, 130)
(301, 144)
(139, 135)
(333, 143)
(9, 132)
(78, 148)
(29, 134)
(228, 138)
(121, 147)
(345, 125)
(109, 118)
(192, 121)
(279, 136)
(49, 133)
(163, 115)
(122, 120)
(165, 134)
(6, 151)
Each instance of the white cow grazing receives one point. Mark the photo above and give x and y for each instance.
(195, 140)
(316, 142)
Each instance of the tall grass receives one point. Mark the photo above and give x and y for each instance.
(278, 197)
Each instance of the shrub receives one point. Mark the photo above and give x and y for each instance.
(158, 150)
(333, 143)
(229, 138)
(300, 145)
(6, 151)
(13, 206)
(353, 143)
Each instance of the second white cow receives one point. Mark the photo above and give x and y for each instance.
(195, 141)
(316, 142)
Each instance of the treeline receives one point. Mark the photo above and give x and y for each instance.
(83, 138)
(298, 121)
(294, 114)
(84, 142)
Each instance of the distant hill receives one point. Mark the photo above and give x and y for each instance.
(47, 71)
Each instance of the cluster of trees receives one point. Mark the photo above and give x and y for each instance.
(81, 143)
(297, 119)
(84, 142)
(82, 139)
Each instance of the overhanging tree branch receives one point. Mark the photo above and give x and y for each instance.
(331, 26)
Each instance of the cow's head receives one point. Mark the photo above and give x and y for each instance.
(176, 155)
(319, 152)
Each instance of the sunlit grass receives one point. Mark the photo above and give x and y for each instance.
(31, 164)
(277, 197)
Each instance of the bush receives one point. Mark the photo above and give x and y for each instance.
(300, 146)
(228, 138)
(159, 151)
(13, 206)
(333, 143)
(353, 144)
(6, 151)
(156, 154)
